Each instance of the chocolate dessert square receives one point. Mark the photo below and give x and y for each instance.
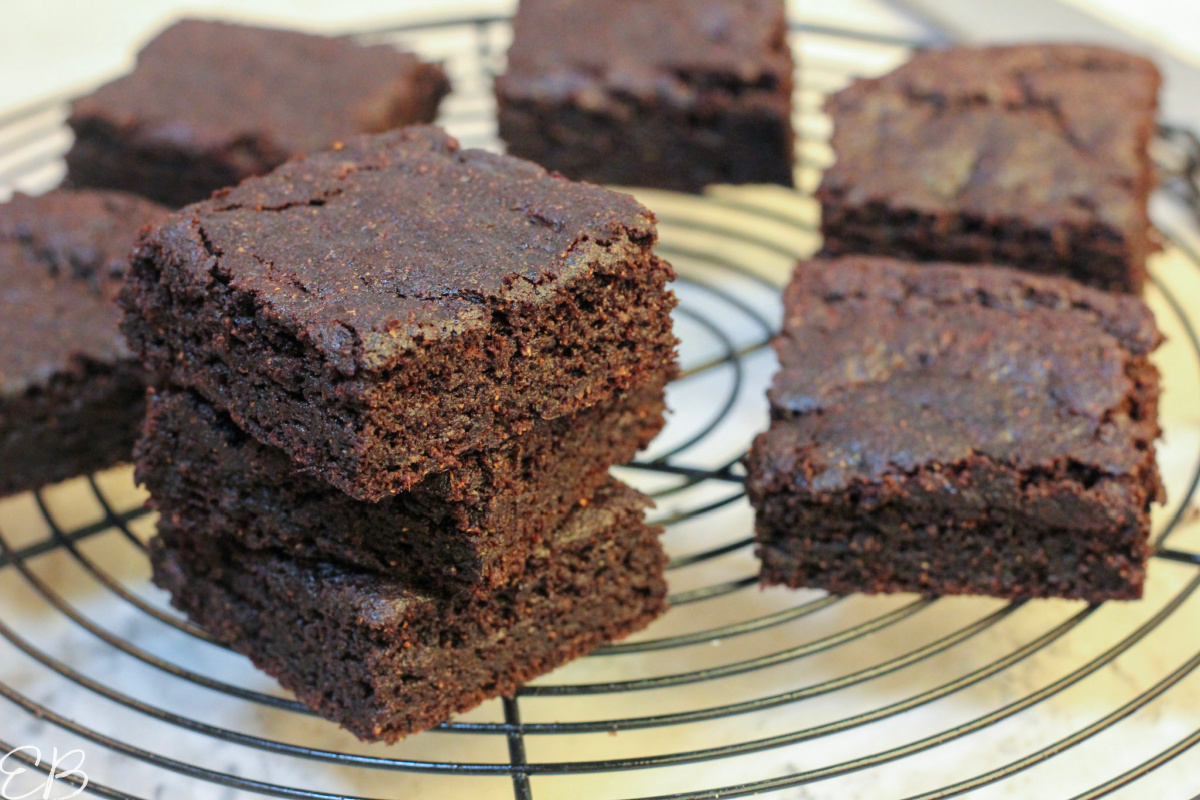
(385, 660)
(474, 527)
(673, 94)
(209, 104)
(1034, 156)
(382, 310)
(947, 429)
(70, 390)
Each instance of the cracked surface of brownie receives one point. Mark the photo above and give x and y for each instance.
(381, 310)
(210, 103)
(945, 429)
(1034, 156)
(70, 389)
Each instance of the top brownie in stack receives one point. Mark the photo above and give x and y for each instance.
(1033, 156)
(674, 94)
(70, 390)
(379, 310)
(210, 103)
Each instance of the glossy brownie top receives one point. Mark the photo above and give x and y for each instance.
(1052, 133)
(649, 46)
(398, 239)
(211, 86)
(889, 367)
(62, 259)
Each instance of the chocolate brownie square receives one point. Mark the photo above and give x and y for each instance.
(209, 104)
(385, 660)
(473, 527)
(381, 310)
(70, 390)
(950, 429)
(1033, 155)
(673, 94)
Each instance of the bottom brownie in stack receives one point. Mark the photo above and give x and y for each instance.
(385, 660)
(388, 617)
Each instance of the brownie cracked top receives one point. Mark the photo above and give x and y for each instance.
(648, 46)
(1054, 133)
(400, 238)
(208, 86)
(888, 366)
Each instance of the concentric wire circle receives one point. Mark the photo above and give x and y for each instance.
(735, 692)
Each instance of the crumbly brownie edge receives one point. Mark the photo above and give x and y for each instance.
(80, 422)
(475, 527)
(369, 434)
(386, 668)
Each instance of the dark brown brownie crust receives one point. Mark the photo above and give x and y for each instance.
(948, 429)
(385, 661)
(377, 339)
(1034, 156)
(673, 94)
(70, 390)
(474, 527)
(209, 104)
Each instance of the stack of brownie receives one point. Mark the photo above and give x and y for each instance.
(968, 427)
(391, 380)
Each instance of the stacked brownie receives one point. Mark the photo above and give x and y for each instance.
(70, 390)
(209, 104)
(392, 379)
(972, 427)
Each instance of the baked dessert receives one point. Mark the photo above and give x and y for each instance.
(1031, 155)
(384, 660)
(381, 310)
(673, 94)
(209, 104)
(950, 429)
(70, 390)
(473, 527)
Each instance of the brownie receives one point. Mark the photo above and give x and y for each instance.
(381, 310)
(70, 390)
(385, 660)
(474, 527)
(1033, 155)
(209, 104)
(673, 94)
(950, 429)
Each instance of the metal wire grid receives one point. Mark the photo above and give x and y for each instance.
(733, 249)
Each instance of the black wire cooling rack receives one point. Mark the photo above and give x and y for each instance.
(736, 691)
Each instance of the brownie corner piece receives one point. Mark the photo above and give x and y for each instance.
(384, 660)
(71, 393)
(669, 94)
(951, 429)
(1035, 156)
(211, 103)
(377, 340)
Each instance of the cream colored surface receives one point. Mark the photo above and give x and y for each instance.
(913, 627)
